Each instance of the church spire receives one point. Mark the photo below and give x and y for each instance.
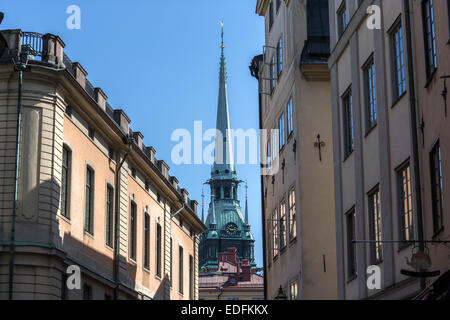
(203, 205)
(246, 203)
(224, 162)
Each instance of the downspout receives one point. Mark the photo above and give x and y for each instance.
(263, 215)
(128, 140)
(19, 67)
(414, 127)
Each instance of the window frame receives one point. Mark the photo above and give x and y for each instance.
(180, 270)
(89, 200)
(159, 235)
(290, 117)
(146, 246)
(66, 183)
(342, 13)
(348, 118)
(292, 208)
(370, 94)
(375, 225)
(109, 215)
(282, 130)
(437, 210)
(279, 59)
(430, 64)
(282, 225)
(398, 64)
(352, 262)
(132, 242)
(400, 172)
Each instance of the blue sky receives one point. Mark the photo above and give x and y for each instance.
(159, 61)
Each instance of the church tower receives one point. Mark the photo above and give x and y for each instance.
(227, 227)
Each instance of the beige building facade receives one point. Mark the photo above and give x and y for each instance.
(382, 175)
(90, 193)
(432, 75)
(297, 191)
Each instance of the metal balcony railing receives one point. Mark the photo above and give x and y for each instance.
(32, 44)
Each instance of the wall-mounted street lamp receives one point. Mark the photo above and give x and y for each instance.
(281, 295)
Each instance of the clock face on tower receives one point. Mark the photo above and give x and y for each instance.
(231, 228)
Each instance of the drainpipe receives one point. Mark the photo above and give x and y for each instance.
(18, 67)
(414, 127)
(256, 75)
(127, 140)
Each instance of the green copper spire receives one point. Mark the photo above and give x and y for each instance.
(224, 162)
(226, 224)
(246, 203)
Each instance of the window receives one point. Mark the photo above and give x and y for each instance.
(293, 290)
(275, 136)
(65, 183)
(371, 98)
(147, 186)
(283, 224)
(351, 246)
(405, 203)
(376, 247)
(87, 292)
(91, 133)
(279, 57)
(342, 18)
(180, 269)
(158, 250)
(278, 5)
(110, 153)
(89, 202)
(109, 215)
(68, 111)
(290, 115)
(270, 15)
(269, 157)
(272, 75)
(63, 286)
(398, 61)
(292, 216)
(429, 32)
(227, 193)
(171, 262)
(349, 136)
(191, 278)
(282, 128)
(133, 213)
(436, 186)
(275, 232)
(147, 241)
(133, 172)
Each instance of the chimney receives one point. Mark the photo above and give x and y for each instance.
(185, 194)
(164, 168)
(52, 49)
(138, 137)
(150, 152)
(100, 97)
(13, 40)
(122, 120)
(80, 73)
(246, 270)
(174, 181)
(194, 205)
